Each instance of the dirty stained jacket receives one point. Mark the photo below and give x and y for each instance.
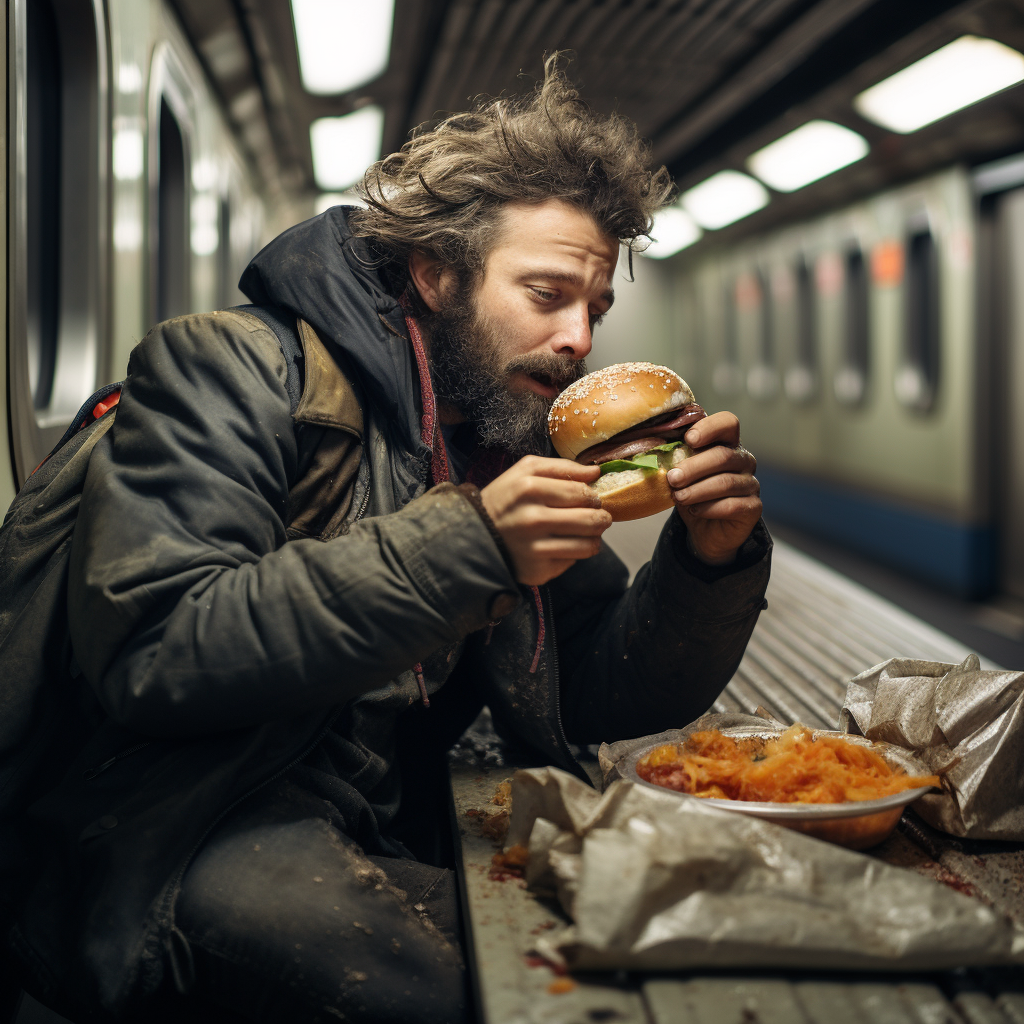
(245, 581)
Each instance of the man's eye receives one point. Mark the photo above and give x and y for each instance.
(543, 293)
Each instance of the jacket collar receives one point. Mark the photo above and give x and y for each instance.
(328, 396)
(334, 281)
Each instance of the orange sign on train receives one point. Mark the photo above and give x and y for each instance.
(887, 264)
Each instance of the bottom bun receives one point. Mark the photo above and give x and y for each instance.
(638, 493)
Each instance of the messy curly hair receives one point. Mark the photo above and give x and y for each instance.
(444, 191)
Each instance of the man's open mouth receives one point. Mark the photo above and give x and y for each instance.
(550, 380)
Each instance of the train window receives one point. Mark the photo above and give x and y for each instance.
(42, 195)
(57, 201)
(802, 376)
(850, 381)
(918, 376)
(726, 377)
(172, 249)
(225, 277)
(763, 378)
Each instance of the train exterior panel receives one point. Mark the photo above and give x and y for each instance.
(848, 347)
(129, 201)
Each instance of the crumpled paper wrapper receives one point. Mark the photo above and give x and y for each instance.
(965, 723)
(655, 882)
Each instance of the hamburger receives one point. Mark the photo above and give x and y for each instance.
(629, 419)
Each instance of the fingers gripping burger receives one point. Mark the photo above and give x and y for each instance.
(629, 419)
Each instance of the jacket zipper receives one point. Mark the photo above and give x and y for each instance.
(556, 684)
(364, 503)
(91, 773)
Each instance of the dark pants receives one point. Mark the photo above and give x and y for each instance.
(288, 920)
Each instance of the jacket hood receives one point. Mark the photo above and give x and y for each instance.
(320, 272)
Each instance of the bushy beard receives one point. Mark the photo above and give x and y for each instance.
(468, 371)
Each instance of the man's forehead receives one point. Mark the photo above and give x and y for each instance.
(555, 234)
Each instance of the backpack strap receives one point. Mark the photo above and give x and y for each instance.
(283, 323)
(95, 406)
(278, 319)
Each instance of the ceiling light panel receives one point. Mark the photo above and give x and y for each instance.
(951, 78)
(343, 147)
(342, 44)
(723, 198)
(812, 151)
(674, 229)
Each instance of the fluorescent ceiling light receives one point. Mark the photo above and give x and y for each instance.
(205, 234)
(810, 152)
(342, 43)
(674, 229)
(326, 200)
(947, 80)
(343, 147)
(129, 78)
(723, 198)
(204, 174)
(128, 155)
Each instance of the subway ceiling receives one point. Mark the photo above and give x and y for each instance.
(707, 81)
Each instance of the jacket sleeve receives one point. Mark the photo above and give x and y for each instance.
(190, 611)
(656, 655)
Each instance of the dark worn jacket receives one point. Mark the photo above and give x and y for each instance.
(244, 581)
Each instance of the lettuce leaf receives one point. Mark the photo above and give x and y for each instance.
(648, 461)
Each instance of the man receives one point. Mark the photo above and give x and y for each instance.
(296, 579)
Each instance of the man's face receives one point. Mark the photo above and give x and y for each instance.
(503, 350)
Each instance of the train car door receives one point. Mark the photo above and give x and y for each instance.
(1005, 268)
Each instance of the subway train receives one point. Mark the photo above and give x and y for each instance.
(852, 346)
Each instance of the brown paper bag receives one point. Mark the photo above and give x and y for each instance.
(965, 723)
(655, 881)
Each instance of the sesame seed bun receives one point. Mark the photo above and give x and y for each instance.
(606, 402)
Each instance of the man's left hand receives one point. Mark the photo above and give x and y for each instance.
(715, 490)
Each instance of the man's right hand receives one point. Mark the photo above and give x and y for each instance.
(548, 515)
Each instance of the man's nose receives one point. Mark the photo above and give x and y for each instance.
(574, 338)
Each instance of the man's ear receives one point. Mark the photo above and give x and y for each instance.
(427, 274)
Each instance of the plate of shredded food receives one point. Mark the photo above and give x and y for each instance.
(840, 788)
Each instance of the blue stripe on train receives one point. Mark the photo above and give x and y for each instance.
(957, 556)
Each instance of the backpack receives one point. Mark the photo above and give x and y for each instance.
(37, 713)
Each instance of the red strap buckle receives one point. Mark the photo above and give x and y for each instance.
(108, 403)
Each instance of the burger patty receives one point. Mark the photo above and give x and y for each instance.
(668, 426)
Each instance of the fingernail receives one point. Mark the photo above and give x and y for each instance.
(674, 478)
(691, 437)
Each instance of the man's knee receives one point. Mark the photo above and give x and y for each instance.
(280, 912)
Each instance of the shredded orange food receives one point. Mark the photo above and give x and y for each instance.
(792, 768)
